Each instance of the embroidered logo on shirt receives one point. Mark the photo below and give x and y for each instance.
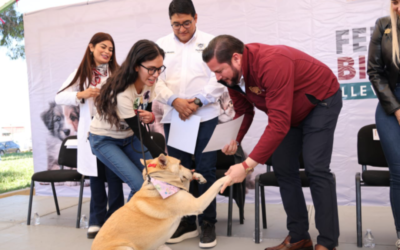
(387, 31)
(255, 90)
(165, 189)
(200, 47)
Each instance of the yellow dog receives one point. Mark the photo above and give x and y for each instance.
(147, 221)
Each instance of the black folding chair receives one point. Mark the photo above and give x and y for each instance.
(67, 157)
(236, 191)
(369, 152)
(269, 179)
(158, 139)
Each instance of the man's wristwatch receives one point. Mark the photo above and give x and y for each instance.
(247, 168)
(198, 102)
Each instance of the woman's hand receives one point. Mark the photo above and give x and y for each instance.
(397, 115)
(87, 93)
(145, 116)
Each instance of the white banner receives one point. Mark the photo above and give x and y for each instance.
(337, 32)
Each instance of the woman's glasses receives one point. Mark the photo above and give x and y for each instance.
(153, 70)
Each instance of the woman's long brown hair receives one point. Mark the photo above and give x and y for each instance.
(126, 75)
(84, 73)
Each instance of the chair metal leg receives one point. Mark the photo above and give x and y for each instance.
(257, 211)
(241, 203)
(263, 208)
(28, 221)
(78, 217)
(55, 198)
(230, 204)
(358, 208)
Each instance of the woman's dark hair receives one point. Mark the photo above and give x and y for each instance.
(84, 73)
(126, 75)
(223, 47)
(181, 7)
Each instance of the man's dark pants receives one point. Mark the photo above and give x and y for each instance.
(205, 165)
(314, 138)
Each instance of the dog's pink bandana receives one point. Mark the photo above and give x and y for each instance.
(165, 189)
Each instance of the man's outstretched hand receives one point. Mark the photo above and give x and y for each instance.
(236, 174)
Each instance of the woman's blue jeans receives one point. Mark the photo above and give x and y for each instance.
(389, 134)
(122, 156)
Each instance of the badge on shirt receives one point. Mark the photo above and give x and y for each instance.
(200, 46)
(255, 90)
(387, 31)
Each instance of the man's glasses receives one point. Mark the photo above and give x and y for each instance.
(153, 70)
(186, 25)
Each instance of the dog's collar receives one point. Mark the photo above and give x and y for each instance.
(164, 189)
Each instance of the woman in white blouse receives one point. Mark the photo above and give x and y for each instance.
(81, 88)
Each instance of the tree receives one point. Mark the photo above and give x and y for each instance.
(12, 33)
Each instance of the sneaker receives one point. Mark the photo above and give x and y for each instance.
(185, 231)
(208, 238)
(92, 232)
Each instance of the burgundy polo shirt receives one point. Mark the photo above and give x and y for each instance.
(277, 79)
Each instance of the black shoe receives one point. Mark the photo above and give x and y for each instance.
(185, 231)
(208, 238)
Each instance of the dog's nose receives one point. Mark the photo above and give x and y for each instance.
(67, 131)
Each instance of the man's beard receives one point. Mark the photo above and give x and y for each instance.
(234, 79)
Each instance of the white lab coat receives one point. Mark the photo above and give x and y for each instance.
(87, 164)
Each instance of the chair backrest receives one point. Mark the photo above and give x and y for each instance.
(269, 161)
(225, 161)
(67, 156)
(158, 139)
(369, 151)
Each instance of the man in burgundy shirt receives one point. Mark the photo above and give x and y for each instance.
(302, 99)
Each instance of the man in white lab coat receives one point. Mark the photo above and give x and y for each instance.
(189, 87)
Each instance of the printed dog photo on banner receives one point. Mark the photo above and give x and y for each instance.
(61, 121)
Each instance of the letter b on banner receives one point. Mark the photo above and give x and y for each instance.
(346, 68)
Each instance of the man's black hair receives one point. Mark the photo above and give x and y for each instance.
(181, 7)
(223, 47)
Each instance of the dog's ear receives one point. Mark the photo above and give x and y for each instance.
(163, 160)
(47, 116)
(142, 161)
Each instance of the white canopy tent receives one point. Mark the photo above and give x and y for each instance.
(28, 6)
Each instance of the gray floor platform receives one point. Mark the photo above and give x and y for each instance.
(59, 232)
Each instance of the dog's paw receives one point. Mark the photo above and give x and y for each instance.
(163, 247)
(200, 179)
